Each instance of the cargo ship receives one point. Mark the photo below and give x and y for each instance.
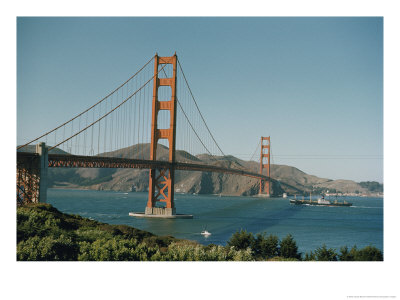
(321, 201)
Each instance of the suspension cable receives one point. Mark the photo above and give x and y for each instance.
(106, 113)
(192, 126)
(180, 67)
(88, 108)
(184, 113)
(255, 151)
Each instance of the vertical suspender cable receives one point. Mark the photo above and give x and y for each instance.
(105, 132)
(72, 130)
(98, 138)
(144, 101)
(140, 99)
(106, 97)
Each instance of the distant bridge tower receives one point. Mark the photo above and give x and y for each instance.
(265, 153)
(161, 181)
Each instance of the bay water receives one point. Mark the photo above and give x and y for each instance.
(311, 226)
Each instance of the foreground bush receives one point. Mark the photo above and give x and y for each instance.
(322, 254)
(264, 248)
(288, 248)
(368, 253)
(47, 248)
(241, 240)
(44, 233)
(182, 252)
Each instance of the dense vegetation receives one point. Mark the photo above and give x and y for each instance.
(269, 247)
(372, 186)
(44, 233)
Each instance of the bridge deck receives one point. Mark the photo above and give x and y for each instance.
(80, 161)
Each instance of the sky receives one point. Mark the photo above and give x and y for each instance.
(314, 85)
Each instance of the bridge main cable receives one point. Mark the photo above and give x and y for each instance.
(255, 151)
(94, 105)
(187, 119)
(201, 115)
(98, 120)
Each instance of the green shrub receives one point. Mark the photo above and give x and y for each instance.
(47, 248)
(115, 249)
(216, 253)
(310, 256)
(190, 252)
(368, 253)
(241, 240)
(325, 254)
(37, 223)
(90, 234)
(288, 248)
(177, 252)
(241, 255)
(346, 255)
(265, 247)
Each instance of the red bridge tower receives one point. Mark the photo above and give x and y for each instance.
(161, 181)
(265, 152)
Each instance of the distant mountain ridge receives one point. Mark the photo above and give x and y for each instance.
(286, 179)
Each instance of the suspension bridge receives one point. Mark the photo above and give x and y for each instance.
(132, 127)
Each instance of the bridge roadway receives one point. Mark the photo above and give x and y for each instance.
(80, 161)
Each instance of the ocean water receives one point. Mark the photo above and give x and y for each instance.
(311, 226)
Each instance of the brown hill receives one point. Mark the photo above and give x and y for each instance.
(285, 178)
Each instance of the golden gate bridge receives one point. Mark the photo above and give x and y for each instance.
(153, 110)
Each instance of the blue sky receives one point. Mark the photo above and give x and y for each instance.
(315, 85)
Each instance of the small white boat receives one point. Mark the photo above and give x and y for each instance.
(205, 233)
(322, 201)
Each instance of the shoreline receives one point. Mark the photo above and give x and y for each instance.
(80, 188)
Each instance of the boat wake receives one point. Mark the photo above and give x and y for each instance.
(366, 206)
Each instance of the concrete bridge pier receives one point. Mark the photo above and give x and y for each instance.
(264, 195)
(32, 175)
(160, 211)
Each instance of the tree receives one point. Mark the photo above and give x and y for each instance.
(324, 254)
(372, 186)
(241, 240)
(369, 253)
(265, 247)
(288, 248)
(346, 255)
(309, 256)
